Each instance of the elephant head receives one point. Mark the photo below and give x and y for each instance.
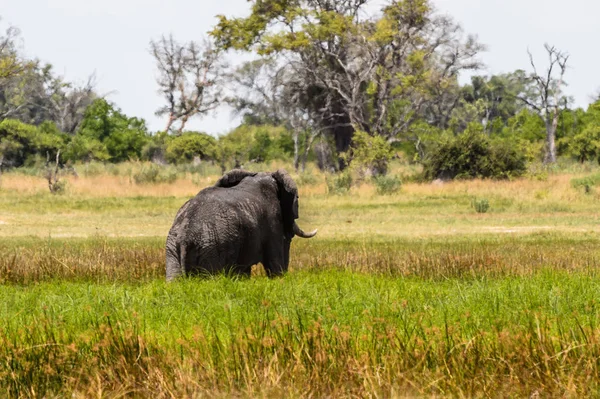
(288, 199)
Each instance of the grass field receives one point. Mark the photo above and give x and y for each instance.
(411, 294)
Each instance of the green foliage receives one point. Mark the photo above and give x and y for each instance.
(248, 143)
(82, 148)
(184, 148)
(387, 185)
(481, 205)
(20, 141)
(122, 137)
(367, 152)
(584, 146)
(126, 144)
(473, 154)
(528, 125)
(339, 184)
(586, 182)
(493, 99)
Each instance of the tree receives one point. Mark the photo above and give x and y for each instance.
(12, 68)
(104, 125)
(32, 93)
(189, 79)
(270, 93)
(547, 98)
(10, 62)
(374, 74)
(489, 100)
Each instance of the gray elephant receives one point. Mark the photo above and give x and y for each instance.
(244, 219)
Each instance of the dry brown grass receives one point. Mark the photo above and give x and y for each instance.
(107, 186)
(143, 259)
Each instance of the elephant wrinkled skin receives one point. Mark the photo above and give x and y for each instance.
(244, 219)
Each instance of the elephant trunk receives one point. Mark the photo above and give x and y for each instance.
(298, 231)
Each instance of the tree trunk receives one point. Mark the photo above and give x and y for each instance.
(296, 150)
(343, 139)
(183, 123)
(551, 126)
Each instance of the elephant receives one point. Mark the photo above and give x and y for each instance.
(245, 218)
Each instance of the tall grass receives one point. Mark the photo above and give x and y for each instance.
(403, 295)
(312, 334)
(101, 259)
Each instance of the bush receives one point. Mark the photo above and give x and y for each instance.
(387, 184)
(339, 184)
(150, 174)
(369, 153)
(481, 205)
(586, 182)
(185, 148)
(82, 148)
(263, 143)
(585, 146)
(472, 154)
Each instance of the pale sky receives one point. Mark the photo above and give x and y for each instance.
(110, 38)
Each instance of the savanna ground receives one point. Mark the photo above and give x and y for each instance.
(410, 294)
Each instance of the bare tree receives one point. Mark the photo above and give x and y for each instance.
(547, 97)
(12, 67)
(68, 102)
(272, 93)
(189, 79)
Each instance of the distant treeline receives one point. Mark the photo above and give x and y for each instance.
(338, 89)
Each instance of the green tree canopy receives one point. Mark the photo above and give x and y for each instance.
(379, 74)
(186, 147)
(104, 125)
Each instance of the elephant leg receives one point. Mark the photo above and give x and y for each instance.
(174, 265)
(274, 261)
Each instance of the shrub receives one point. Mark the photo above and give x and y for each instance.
(150, 174)
(82, 148)
(586, 182)
(369, 153)
(472, 154)
(481, 205)
(339, 184)
(387, 184)
(585, 146)
(184, 148)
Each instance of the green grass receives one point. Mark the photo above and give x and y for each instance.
(408, 294)
(469, 336)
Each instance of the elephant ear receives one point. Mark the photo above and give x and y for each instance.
(288, 199)
(233, 178)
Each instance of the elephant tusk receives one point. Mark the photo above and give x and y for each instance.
(298, 231)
